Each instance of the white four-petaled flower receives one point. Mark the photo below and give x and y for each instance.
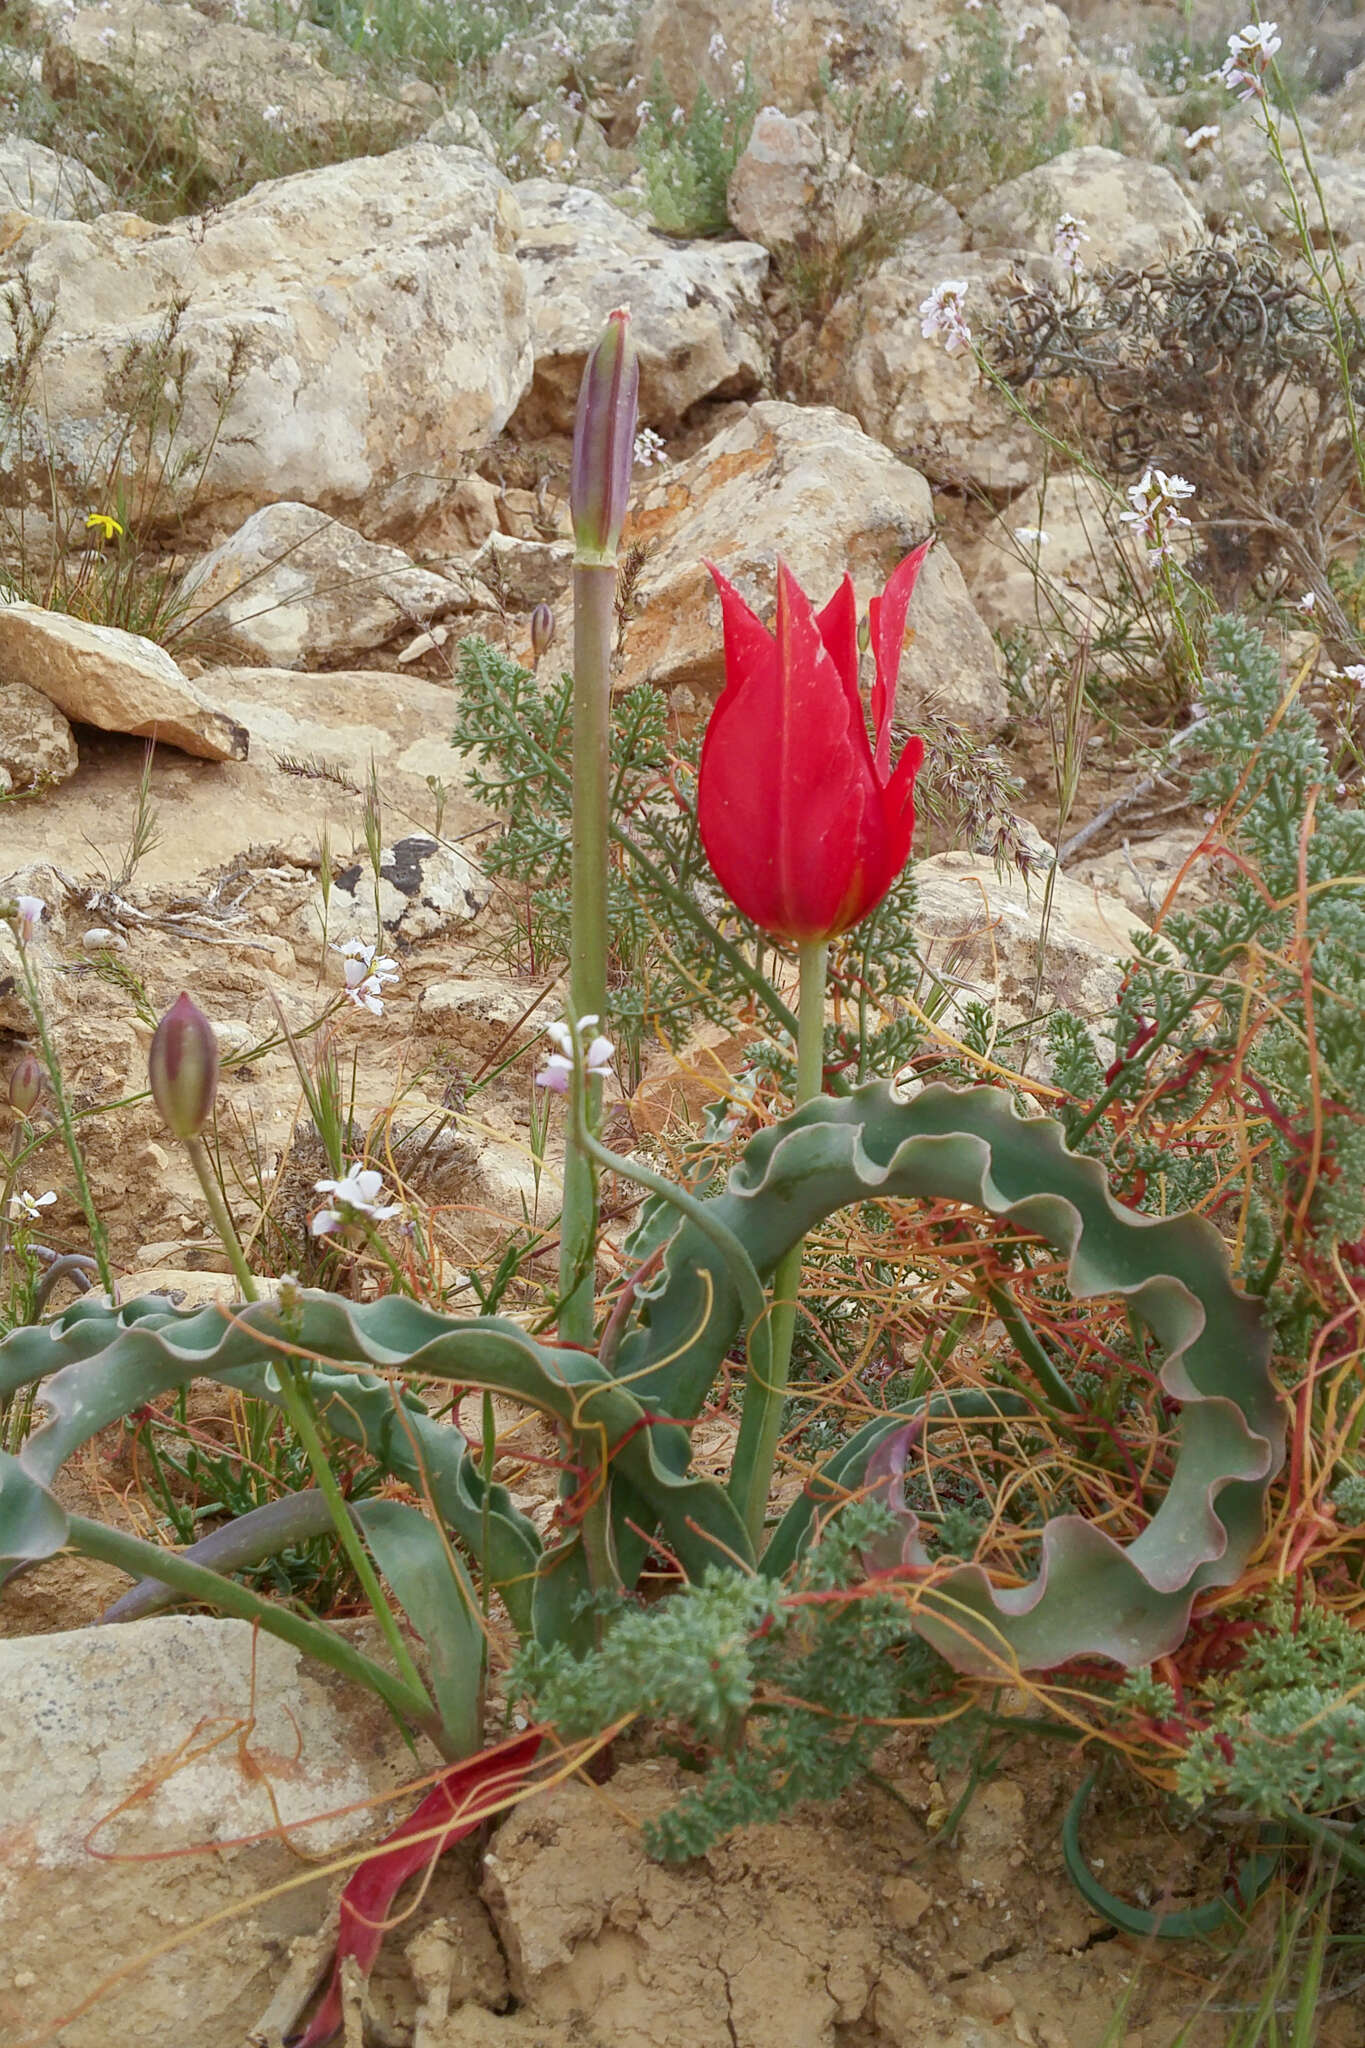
(1153, 515)
(354, 1197)
(368, 973)
(1067, 237)
(598, 1054)
(24, 1207)
(1250, 50)
(942, 318)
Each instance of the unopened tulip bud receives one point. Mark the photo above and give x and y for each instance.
(183, 1068)
(542, 630)
(604, 443)
(25, 1085)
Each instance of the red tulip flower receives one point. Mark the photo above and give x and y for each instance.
(804, 820)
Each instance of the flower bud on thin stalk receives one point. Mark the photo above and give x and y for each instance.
(25, 1086)
(603, 456)
(182, 1067)
(542, 630)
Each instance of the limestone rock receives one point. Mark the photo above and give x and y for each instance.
(294, 588)
(476, 1014)
(934, 410)
(697, 316)
(981, 933)
(36, 743)
(1132, 112)
(805, 483)
(791, 43)
(34, 179)
(425, 888)
(100, 675)
(797, 186)
(367, 322)
(461, 128)
(1050, 556)
(109, 1769)
(1134, 213)
(524, 573)
(775, 181)
(1142, 872)
(220, 77)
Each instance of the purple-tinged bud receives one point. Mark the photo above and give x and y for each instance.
(183, 1068)
(25, 1085)
(604, 444)
(542, 630)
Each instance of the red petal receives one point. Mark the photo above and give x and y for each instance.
(788, 803)
(838, 624)
(465, 1796)
(899, 813)
(886, 624)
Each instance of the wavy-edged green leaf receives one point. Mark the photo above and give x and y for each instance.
(972, 1145)
(435, 1592)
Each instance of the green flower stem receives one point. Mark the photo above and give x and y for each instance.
(765, 1392)
(596, 1526)
(298, 1407)
(220, 1218)
(143, 1560)
(594, 618)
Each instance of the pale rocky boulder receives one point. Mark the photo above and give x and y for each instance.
(121, 682)
(34, 179)
(1132, 113)
(294, 588)
(1143, 872)
(791, 43)
(697, 315)
(120, 1746)
(981, 933)
(368, 321)
(797, 186)
(229, 83)
(477, 1015)
(36, 743)
(1135, 213)
(1050, 558)
(805, 483)
(933, 410)
(426, 889)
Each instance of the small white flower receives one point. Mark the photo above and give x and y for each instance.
(717, 47)
(942, 318)
(1153, 515)
(1250, 51)
(355, 1197)
(1076, 101)
(368, 973)
(650, 448)
(31, 911)
(272, 115)
(558, 1069)
(25, 1208)
(1307, 602)
(1355, 673)
(1032, 536)
(1201, 138)
(1067, 237)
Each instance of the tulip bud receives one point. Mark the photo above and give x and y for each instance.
(183, 1068)
(25, 1085)
(604, 443)
(542, 630)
